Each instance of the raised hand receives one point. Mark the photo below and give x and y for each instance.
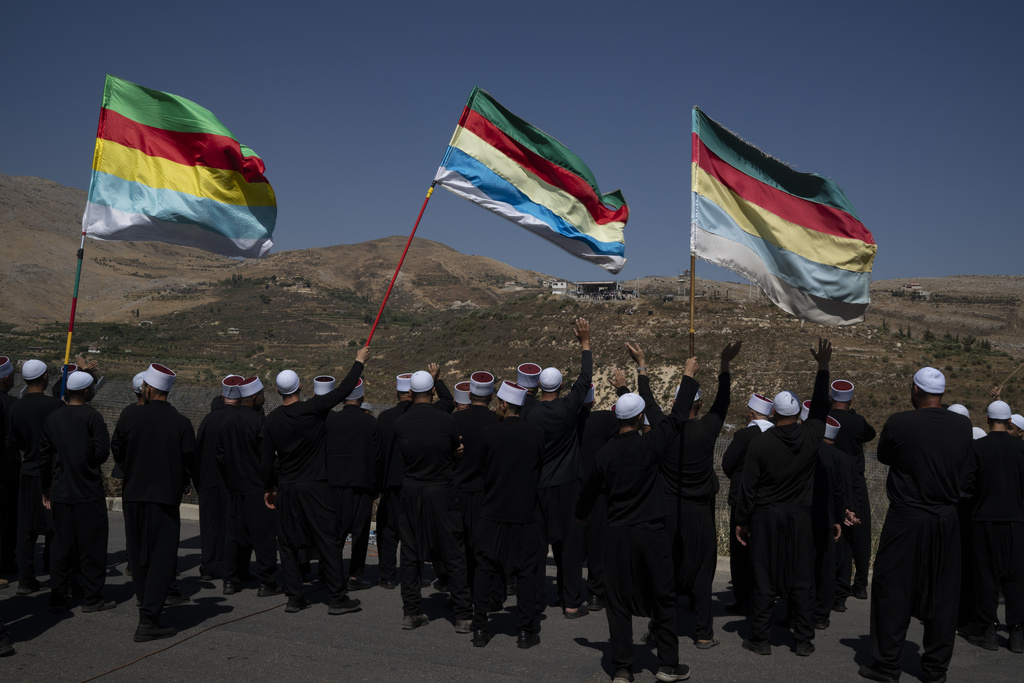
(728, 353)
(636, 353)
(823, 354)
(691, 367)
(435, 370)
(582, 330)
(363, 354)
(618, 378)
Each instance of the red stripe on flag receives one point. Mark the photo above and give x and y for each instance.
(545, 170)
(810, 215)
(189, 149)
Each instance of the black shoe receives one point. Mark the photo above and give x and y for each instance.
(412, 621)
(706, 644)
(527, 640)
(355, 584)
(440, 586)
(175, 598)
(839, 605)
(128, 570)
(985, 641)
(28, 587)
(144, 634)
(859, 592)
(343, 606)
(804, 648)
(757, 646)
(99, 606)
(463, 625)
(680, 673)
(296, 605)
(875, 675)
(581, 611)
(6, 648)
(268, 590)
(387, 584)
(742, 608)
(231, 587)
(481, 638)
(208, 578)
(1016, 643)
(822, 624)
(596, 604)
(623, 676)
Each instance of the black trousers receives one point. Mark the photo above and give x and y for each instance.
(34, 520)
(594, 543)
(253, 529)
(825, 570)
(355, 508)
(917, 574)
(854, 548)
(507, 549)
(306, 518)
(741, 567)
(11, 480)
(470, 503)
(429, 520)
(151, 534)
(387, 533)
(565, 536)
(638, 580)
(782, 552)
(79, 530)
(694, 542)
(998, 564)
(213, 515)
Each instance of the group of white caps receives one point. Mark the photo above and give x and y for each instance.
(156, 375)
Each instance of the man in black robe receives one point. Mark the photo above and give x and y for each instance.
(560, 478)
(828, 515)
(353, 457)
(917, 566)
(690, 487)
(389, 479)
(75, 443)
(998, 532)
(855, 545)
(774, 512)
(294, 469)
(741, 568)
(213, 495)
(508, 529)
(24, 434)
(251, 525)
(427, 440)
(156, 448)
(638, 562)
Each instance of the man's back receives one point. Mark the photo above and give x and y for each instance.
(427, 439)
(156, 449)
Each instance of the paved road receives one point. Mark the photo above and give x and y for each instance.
(246, 637)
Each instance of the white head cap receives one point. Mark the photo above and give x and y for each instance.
(1017, 420)
(528, 374)
(160, 377)
(510, 392)
(323, 384)
(6, 367)
(786, 403)
(978, 433)
(402, 382)
(365, 406)
(250, 387)
(461, 393)
(550, 379)
(33, 369)
(137, 382)
(805, 410)
(930, 381)
(481, 383)
(629, 406)
(760, 404)
(287, 382)
(960, 409)
(590, 394)
(78, 381)
(841, 390)
(999, 410)
(229, 386)
(421, 380)
(357, 393)
(831, 428)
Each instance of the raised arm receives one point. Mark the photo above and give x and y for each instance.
(324, 403)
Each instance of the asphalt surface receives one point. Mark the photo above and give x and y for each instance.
(245, 637)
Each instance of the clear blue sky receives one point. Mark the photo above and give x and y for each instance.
(914, 108)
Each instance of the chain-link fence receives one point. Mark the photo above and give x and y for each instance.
(194, 403)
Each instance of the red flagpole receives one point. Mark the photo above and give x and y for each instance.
(400, 261)
(71, 321)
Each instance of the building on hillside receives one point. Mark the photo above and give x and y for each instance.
(559, 288)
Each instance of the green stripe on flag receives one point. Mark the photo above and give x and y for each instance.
(159, 109)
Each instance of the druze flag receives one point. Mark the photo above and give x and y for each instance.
(504, 164)
(166, 170)
(795, 234)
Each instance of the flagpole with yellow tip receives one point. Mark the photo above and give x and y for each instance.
(71, 321)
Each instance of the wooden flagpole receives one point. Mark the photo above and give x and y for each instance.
(71, 321)
(693, 282)
(400, 261)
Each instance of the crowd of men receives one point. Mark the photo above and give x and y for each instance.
(481, 481)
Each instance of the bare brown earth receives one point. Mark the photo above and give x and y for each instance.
(206, 315)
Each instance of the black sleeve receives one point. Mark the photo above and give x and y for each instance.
(324, 403)
(733, 454)
(667, 427)
(721, 405)
(100, 441)
(268, 455)
(188, 452)
(749, 484)
(46, 457)
(886, 445)
(818, 413)
(445, 400)
(588, 494)
(117, 444)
